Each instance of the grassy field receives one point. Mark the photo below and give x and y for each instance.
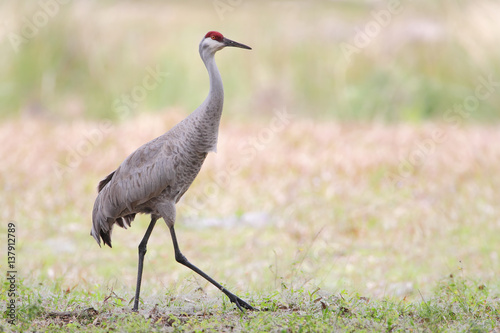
(457, 306)
(341, 211)
(354, 188)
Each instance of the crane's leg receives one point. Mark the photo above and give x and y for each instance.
(180, 258)
(142, 253)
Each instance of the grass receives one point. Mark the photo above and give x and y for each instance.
(456, 305)
(422, 61)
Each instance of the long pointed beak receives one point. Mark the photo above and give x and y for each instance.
(232, 43)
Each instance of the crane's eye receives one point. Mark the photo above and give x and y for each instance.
(213, 37)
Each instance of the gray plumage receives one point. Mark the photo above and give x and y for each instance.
(153, 178)
(160, 172)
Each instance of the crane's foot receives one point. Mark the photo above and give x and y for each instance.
(136, 304)
(241, 304)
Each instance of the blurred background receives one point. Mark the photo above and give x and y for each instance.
(381, 177)
(347, 60)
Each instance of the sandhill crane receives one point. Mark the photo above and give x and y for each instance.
(154, 177)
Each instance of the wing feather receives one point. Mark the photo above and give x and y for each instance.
(144, 175)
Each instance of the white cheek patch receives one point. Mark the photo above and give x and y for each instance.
(212, 43)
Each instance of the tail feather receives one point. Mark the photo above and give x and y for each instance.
(102, 230)
(101, 226)
(125, 221)
(102, 223)
(106, 237)
(106, 180)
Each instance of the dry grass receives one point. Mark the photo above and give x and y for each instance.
(318, 204)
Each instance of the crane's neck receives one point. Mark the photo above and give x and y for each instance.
(206, 118)
(216, 93)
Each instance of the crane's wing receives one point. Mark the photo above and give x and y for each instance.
(143, 175)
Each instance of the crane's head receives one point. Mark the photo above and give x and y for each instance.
(215, 41)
